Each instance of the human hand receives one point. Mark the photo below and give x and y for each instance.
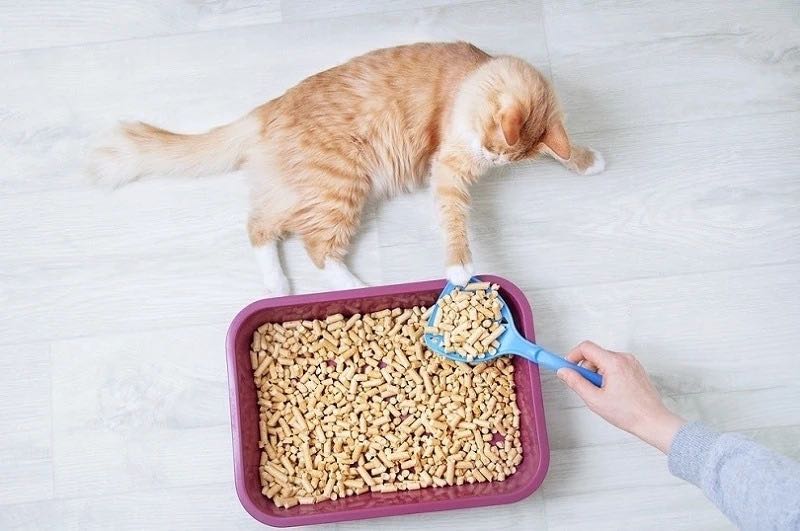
(627, 399)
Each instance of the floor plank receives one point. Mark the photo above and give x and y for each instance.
(610, 467)
(26, 466)
(525, 514)
(113, 402)
(150, 409)
(156, 248)
(152, 255)
(55, 103)
(617, 64)
(674, 199)
(45, 23)
(680, 506)
(710, 332)
(195, 507)
(750, 411)
(309, 9)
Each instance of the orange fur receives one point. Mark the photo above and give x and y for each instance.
(379, 124)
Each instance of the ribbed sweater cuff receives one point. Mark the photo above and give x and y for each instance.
(690, 450)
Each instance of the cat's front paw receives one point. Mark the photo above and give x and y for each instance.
(460, 274)
(592, 163)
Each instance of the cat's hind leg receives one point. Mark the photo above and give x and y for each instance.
(327, 225)
(265, 233)
(339, 276)
(327, 247)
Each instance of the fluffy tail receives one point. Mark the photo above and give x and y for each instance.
(135, 150)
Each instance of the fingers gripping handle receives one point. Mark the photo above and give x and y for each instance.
(554, 362)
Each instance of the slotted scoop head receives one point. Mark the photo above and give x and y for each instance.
(511, 343)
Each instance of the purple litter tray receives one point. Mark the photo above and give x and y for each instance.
(244, 411)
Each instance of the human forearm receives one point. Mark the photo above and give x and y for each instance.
(755, 487)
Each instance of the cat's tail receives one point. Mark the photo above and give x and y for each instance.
(135, 150)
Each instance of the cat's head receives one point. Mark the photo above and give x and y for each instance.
(512, 113)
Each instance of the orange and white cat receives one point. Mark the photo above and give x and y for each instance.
(381, 123)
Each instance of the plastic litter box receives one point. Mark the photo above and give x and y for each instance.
(244, 411)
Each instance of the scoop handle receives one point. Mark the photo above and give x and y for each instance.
(555, 362)
(535, 353)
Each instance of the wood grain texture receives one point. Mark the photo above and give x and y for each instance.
(148, 256)
(56, 102)
(292, 10)
(674, 199)
(197, 507)
(526, 514)
(683, 326)
(177, 238)
(25, 423)
(749, 410)
(113, 400)
(610, 467)
(46, 23)
(681, 506)
(619, 63)
(150, 409)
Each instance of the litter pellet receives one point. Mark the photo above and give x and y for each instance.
(468, 320)
(356, 403)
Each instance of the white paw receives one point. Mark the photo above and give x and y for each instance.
(597, 166)
(275, 282)
(351, 283)
(276, 285)
(460, 274)
(339, 277)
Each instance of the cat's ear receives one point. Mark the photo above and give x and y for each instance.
(511, 120)
(555, 138)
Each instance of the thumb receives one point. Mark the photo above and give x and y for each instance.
(582, 387)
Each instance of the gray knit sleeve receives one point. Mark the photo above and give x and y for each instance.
(753, 486)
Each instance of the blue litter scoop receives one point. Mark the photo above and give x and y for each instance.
(511, 342)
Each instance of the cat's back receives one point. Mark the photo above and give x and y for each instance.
(402, 69)
(381, 113)
(408, 78)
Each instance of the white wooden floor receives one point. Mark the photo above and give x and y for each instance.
(113, 307)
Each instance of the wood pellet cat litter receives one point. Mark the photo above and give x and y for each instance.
(358, 404)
